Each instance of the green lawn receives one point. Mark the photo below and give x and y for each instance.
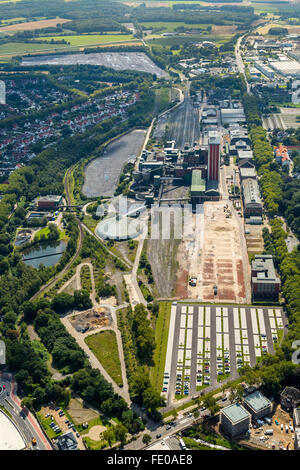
(161, 341)
(45, 231)
(162, 98)
(104, 346)
(90, 222)
(90, 39)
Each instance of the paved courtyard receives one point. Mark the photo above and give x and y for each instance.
(209, 343)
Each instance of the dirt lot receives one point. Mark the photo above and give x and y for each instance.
(93, 318)
(254, 240)
(34, 25)
(80, 413)
(280, 438)
(223, 29)
(95, 431)
(213, 248)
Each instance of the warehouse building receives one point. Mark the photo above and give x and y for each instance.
(197, 187)
(247, 172)
(49, 202)
(258, 405)
(265, 283)
(265, 69)
(244, 155)
(232, 116)
(251, 197)
(235, 420)
(287, 68)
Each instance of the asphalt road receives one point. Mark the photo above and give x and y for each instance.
(26, 424)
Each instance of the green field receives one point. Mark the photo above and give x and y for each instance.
(104, 346)
(161, 341)
(13, 48)
(45, 231)
(90, 39)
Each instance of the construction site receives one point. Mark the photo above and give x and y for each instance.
(92, 319)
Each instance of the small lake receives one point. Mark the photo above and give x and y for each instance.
(45, 253)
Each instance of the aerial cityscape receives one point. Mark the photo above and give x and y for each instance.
(149, 227)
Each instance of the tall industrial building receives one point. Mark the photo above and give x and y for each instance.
(213, 166)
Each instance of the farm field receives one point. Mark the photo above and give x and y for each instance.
(263, 30)
(90, 39)
(170, 27)
(104, 346)
(13, 48)
(31, 25)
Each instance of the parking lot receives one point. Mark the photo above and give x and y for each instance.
(208, 343)
(56, 423)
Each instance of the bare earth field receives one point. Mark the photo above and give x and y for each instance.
(222, 263)
(223, 30)
(79, 413)
(31, 25)
(211, 251)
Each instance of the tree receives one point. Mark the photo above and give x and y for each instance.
(146, 439)
(236, 393)
(120, 433)
(109, 436)
(210, 403)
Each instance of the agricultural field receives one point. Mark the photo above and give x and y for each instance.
(31, 25)
(263, 30)
(170, 27)
(89, 39)
(104, 346)
(15, 48)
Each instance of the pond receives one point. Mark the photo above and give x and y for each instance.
(46, 253)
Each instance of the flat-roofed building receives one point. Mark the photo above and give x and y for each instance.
(251, 197)
(51, 201)
(67, 441)
(264, 282)
(287, 68)
(247, 172)
(232, 116)
(197, 187)
(244, 155)
(10, 437)
(235, 420)
(258, 405)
